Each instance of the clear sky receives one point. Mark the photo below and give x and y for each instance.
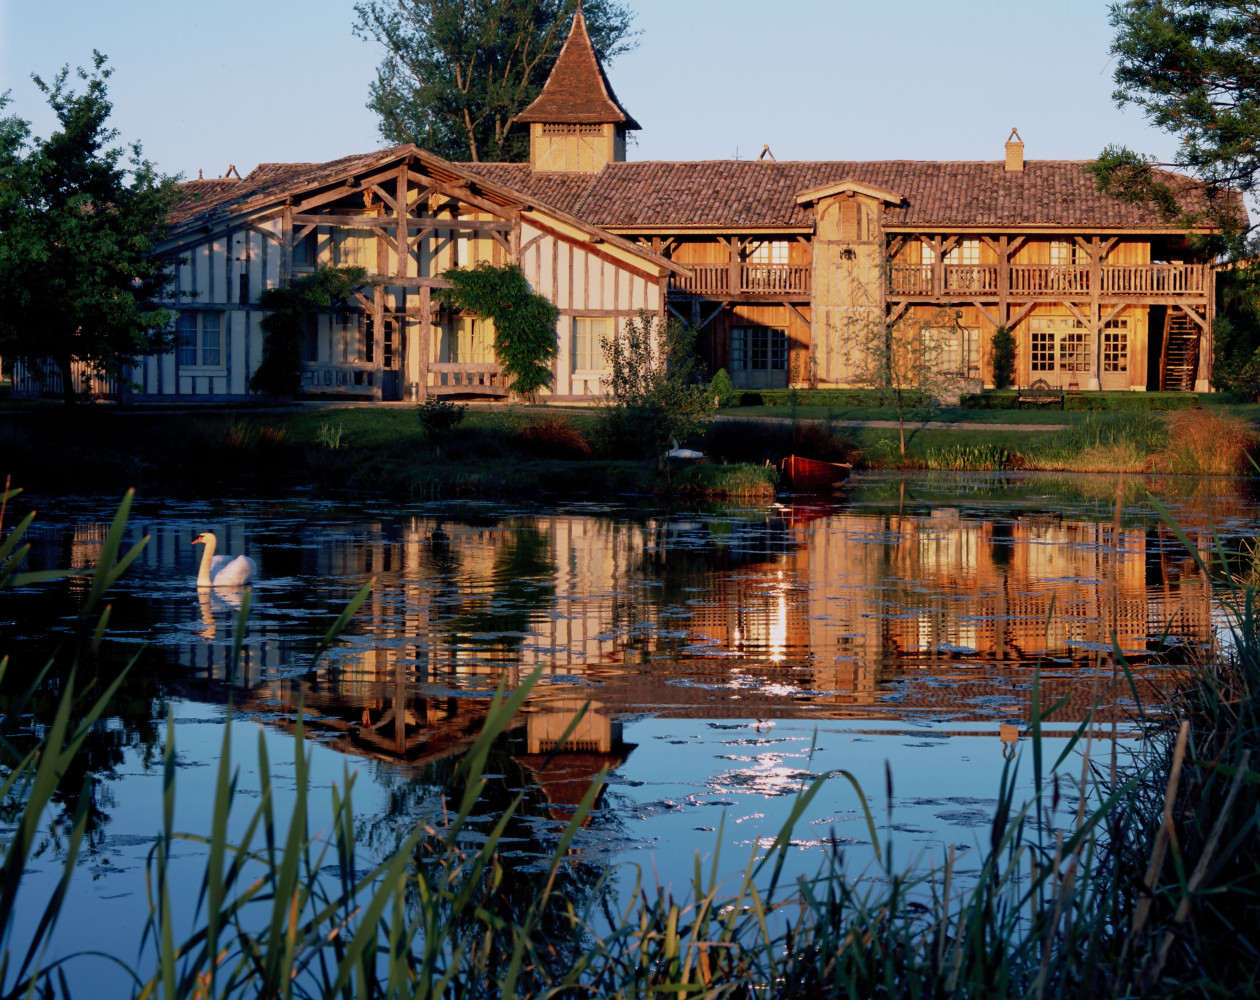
(202, 85)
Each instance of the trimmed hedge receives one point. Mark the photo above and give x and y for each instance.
(830, 397)
(1007, 399)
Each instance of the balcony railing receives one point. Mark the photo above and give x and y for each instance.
(470, 379)
(1052, 280)
(754, 279)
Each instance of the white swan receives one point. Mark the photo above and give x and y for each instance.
(683, 454)
(221, 571)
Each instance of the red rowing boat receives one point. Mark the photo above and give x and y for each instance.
(811, 474)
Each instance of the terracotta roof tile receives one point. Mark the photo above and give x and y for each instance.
(577, 91)
(224, 197)
(733, 193)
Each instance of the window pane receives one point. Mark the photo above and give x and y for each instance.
(186, 339)
(210, 354)
(739, 348)
(1042, 355)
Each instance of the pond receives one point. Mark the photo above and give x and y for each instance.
(710, 663)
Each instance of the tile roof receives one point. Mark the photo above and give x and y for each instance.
(266, 181)
(938, 194)
(577, 91)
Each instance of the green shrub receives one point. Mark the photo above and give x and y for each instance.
(1008, 399)
(1003, 358)
(722, 390)
(438, 416)
(834, 397)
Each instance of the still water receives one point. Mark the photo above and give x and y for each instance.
(728, 658)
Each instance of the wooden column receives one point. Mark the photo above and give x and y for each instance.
(426, 342)
(1004, 280)
(733, 278)
(1095, 311)
(938, 268)
(286, 234)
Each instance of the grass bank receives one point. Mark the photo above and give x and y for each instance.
(508, 453)
(1124, 881)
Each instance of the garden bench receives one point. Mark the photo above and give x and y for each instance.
(1040, 392)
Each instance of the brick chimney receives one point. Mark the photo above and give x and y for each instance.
(1014, 151)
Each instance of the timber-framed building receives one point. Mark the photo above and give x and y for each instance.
(785, 266)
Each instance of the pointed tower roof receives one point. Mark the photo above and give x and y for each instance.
(577, 91)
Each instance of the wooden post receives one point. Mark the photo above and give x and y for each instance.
(1004, 279)
(426, 343)
(286, 234)
(938, 268)
(1095, 291)
(733, 279)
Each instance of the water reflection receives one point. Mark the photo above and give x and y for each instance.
(888, 614)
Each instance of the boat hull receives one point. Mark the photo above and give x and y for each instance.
(812, 475)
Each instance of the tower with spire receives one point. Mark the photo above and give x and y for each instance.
(576, 123)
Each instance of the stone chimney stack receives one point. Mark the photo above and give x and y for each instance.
(1014, 151)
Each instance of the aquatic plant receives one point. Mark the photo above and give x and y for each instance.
(1207, 442)
(329, 435)
(971, 458)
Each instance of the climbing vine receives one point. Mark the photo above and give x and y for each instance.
(290, 311)
(524, 322)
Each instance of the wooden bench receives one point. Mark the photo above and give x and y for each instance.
(1040, 392)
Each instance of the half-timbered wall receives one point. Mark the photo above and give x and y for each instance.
(386, 343)
(583, 282)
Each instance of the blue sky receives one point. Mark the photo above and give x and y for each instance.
(204, 85)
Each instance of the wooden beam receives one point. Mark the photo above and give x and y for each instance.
(1080, 316)
(1194, 315)
(1015, 243)
(1116, 311)
(502, 241)
(384, 221)
(1019, 315)
(336, 194)
(714, 315)
(898, 310)
(532, 241)
(986, 314)
(385, 196)
(677, 313)
(894, 245)
(799, 315)
(403, 281)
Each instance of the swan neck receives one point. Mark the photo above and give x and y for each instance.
(203, 573)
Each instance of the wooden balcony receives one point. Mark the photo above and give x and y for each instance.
(771, 280)
(1046, 281)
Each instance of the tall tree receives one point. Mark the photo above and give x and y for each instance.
(456, 72)
(79, 279)
(1193, 68)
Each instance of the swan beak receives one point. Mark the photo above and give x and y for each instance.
(196, 541)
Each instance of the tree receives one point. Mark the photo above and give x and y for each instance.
(456, 72)
(905, 360)
(1003, 358)
(290, 311)
(524, 322)
(652, 377)
(79, 278)
(1193, 68)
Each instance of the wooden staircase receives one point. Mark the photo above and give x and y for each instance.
(1179, 359)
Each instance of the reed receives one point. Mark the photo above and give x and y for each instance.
(1107, 882)
(1209, 442)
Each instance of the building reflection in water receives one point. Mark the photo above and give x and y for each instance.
(773, 615)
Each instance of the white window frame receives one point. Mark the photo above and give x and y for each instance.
(207, 351)
(587, 344)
